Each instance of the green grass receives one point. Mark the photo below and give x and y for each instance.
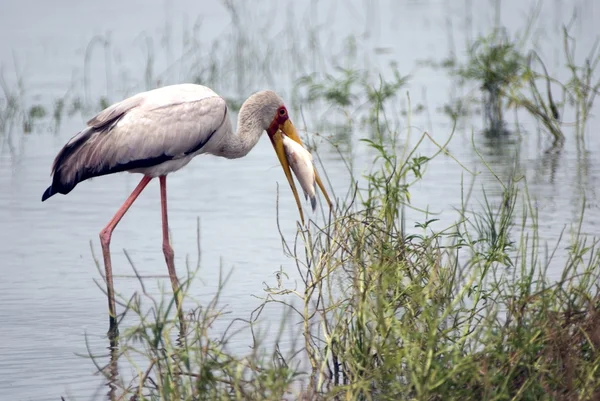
(512, 77)
(468, 311)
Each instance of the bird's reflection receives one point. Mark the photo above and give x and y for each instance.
(113, 367)
(116, 388)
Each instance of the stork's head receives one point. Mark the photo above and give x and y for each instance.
(274, 117)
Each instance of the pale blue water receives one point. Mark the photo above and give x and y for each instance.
(48, 299)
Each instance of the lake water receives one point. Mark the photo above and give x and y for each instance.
(48, 299)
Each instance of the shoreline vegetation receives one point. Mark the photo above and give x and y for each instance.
(467, 312)
(382, 312)
(386, 313)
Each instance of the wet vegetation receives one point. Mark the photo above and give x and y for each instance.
(510, 77)
(463, 312)
(382, 311)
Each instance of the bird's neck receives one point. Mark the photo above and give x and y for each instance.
(249, 130)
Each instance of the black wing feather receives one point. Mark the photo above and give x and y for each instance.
(103, 127)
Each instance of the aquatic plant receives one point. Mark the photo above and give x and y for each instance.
(584, 86)
(508, 78)
(496, 64)
(467, 311)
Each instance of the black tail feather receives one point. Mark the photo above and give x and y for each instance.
(48, 193)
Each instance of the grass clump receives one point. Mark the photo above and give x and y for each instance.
(463, 313)
(382, 312)
(191, 365)
(509, 76)
(497, 64)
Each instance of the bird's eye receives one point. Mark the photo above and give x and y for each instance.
(282, 112)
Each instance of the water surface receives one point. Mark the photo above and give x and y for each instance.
(48, 296)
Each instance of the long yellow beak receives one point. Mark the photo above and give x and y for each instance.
(289, 130)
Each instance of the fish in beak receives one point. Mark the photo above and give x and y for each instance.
(301, 162)
(294, 157)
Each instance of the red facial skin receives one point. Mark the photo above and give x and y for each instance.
(279, 119)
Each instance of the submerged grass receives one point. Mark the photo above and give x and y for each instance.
(512, 77)
(383, 312)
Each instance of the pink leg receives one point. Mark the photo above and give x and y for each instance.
(168, 250)
(105, 235)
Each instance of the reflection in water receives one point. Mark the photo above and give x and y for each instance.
(113, 367)
(500, 154)
(548, 163)
(584, 172)
(109, 369)
(114, 380)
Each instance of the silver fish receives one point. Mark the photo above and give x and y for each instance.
(301, 162)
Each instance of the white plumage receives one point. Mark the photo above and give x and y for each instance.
(160, 131)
